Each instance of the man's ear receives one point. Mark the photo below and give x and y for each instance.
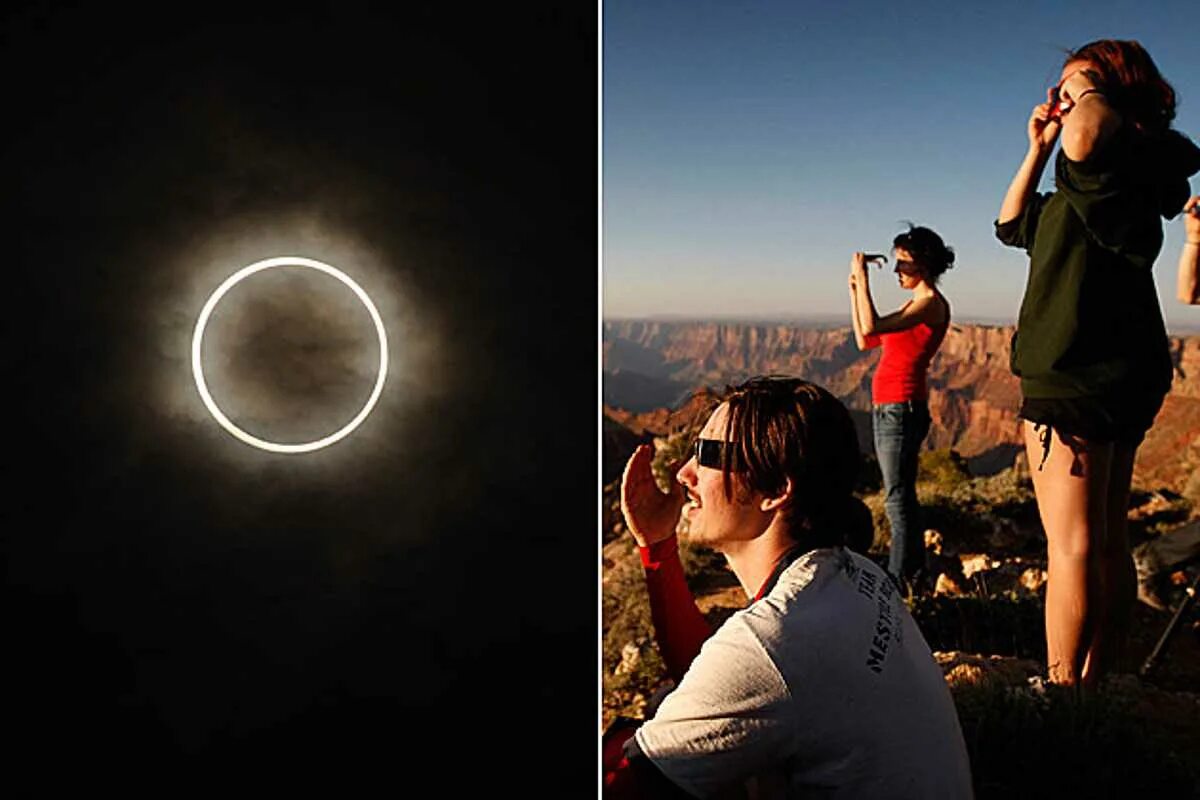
(777, 502)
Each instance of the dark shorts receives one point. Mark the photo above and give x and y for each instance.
(1120, 419)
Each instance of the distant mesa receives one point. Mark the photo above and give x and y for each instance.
(652, 367)
(634, 391)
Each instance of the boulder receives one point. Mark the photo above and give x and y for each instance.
(969, 669)
(947, 586)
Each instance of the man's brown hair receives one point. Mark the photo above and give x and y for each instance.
(783, 428)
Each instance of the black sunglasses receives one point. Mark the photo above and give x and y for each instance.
(711, 453)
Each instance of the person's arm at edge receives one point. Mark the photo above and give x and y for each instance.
(1188, 282)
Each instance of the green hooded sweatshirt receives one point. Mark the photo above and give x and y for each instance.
(1090, 322)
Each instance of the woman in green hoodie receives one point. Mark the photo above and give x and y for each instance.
(1091, 347)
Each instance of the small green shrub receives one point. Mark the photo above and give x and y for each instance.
(945, 468)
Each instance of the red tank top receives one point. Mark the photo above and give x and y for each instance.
(900, 376)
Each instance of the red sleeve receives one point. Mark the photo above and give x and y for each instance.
(679, 627)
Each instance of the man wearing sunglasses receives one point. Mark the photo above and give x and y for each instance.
(823, 685)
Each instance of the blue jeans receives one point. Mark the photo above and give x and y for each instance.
(899, 430)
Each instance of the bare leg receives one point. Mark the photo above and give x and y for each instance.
(1071, 489)
(1118, 578)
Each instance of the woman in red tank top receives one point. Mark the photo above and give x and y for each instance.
(900, 415)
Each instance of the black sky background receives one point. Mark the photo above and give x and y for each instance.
(419, 598)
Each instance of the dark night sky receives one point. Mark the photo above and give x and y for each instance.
(419, 598)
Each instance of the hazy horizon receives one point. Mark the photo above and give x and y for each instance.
(1183, 328)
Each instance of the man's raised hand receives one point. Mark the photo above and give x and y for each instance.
(650, 515)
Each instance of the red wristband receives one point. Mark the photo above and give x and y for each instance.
(653, 555)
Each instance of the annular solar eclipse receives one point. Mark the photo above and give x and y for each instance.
(198, 368)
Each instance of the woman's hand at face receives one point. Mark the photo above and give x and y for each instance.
(1043, 128)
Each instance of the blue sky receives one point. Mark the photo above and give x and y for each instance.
(750, 147)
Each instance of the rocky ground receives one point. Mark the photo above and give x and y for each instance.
(982, 615)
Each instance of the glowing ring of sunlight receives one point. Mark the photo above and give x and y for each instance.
(198, 338)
